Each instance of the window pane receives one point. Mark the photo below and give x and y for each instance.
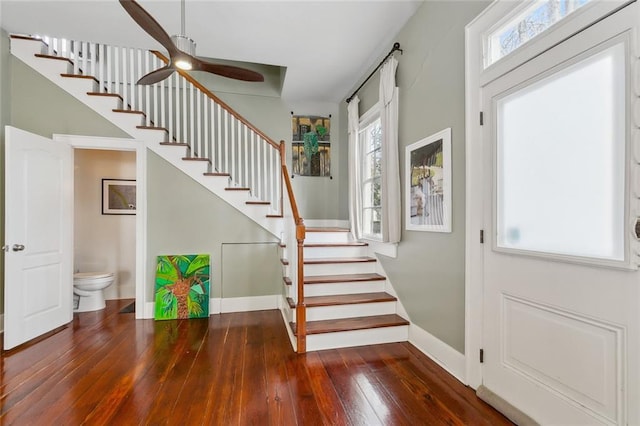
(560, 161)
(371, 219)
(533, 21)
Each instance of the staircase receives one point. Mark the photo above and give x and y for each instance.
(348, 302)
(334, 293)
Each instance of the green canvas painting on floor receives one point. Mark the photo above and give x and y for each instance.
(182, 287)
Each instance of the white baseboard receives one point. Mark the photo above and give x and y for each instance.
(326, 223)
(229, 304)
(444, 355)
(246, 304)
(149, 311)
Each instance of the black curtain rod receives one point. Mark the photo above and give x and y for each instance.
(396, 46)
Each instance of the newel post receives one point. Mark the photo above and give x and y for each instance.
(301, 312)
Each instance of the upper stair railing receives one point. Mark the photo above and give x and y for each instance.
(191, 115)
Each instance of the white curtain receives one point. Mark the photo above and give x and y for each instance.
(355, 188)
(391, 207)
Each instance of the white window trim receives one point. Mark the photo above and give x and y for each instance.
(476, 76)
(366, 119)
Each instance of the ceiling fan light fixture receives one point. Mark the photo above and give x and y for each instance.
(184, 64)
(184, 44)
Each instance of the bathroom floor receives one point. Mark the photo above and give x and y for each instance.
(108, 368)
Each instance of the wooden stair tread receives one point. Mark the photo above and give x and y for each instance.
(274, 216)
(349, 324)
(345, 278)
(291, 303)
(112, 95)
(348, 299)
(347, 244)
(54, 57)
(181, 144)
(129, 111)
(327, 229)
(322, 261)
(287, 280)
(235, 188)
(258, 203)
(152, 128)
(195, 159)
(21, 37)
(216, 173)
(284, 261)
(86, 77)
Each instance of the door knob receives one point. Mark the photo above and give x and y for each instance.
(18, 247)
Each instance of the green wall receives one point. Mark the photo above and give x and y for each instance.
(185, 218)
(428, 273)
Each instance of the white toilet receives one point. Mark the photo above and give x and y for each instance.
(87, 290)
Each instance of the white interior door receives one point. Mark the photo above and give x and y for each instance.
(561, 325)
(38, 285)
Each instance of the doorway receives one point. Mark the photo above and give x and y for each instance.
(113, 149)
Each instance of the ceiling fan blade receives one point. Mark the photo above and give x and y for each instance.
(149, 24)
(157, 75)
(227, 71)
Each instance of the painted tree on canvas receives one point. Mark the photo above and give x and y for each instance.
(182, 287)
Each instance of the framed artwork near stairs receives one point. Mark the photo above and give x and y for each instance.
(311, 145)
(182, 286)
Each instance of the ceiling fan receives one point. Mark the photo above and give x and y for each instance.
(181, 50)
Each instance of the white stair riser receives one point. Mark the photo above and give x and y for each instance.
(320, 313)
(325, 252)
(57, 66)
(343, 288)
(105, 102)
(328, 237)
(346, 339)
(340, 268)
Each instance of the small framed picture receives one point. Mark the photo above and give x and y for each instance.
(118, 196)
(428, 184)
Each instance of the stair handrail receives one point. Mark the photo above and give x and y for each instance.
(301, 313)
(219, 101)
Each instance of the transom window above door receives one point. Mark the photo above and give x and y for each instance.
(525, 23)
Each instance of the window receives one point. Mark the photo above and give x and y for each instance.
(370, 142)
(561, 162)
(527, 24)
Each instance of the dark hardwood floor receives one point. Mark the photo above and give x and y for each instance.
(232, 369)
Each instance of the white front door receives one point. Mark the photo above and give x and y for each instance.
(561, 329)
(38, 283)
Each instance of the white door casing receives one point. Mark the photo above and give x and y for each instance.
(561, 336)
(38, 236)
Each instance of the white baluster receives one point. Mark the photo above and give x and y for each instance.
(260, 166)
(92, 49)
(125, 78)
(109, 63)
(156, 96)
(141, 72)
(76, 56)
(132, 79)
(163, 118)
(206, 116)
(116, 70)
(252, 145)
(198, 133)
(147, 92)
(170, 99)
(218, 140)
(184, 113)
(246, 156)
(227, 152)
(103, 61)
(85, 58)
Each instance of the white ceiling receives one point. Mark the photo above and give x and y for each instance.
(326, 46)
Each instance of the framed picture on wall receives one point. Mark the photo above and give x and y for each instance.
(118, 196)
(428, 183)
